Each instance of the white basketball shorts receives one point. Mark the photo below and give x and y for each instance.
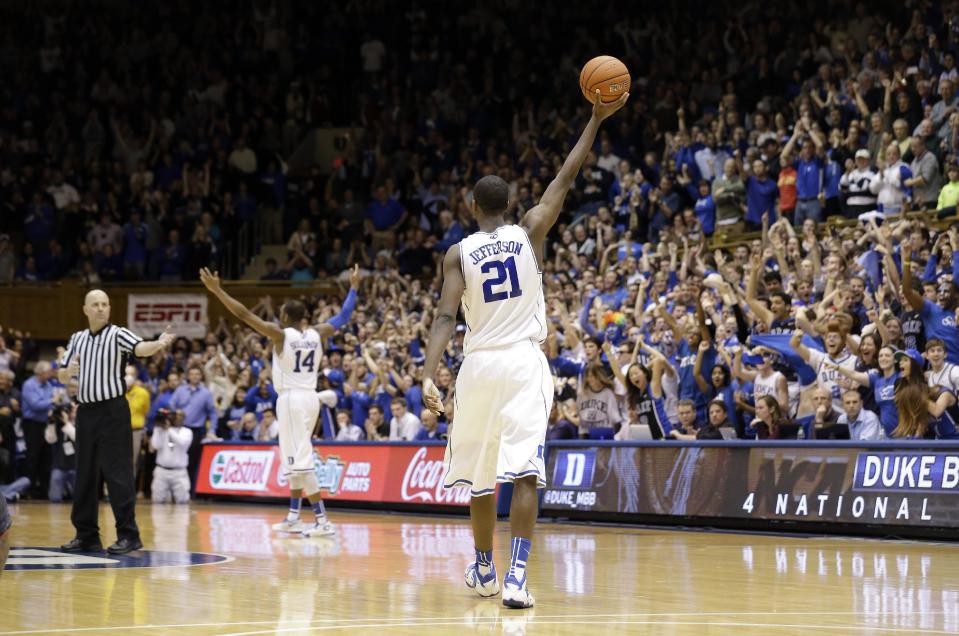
(296, 412)
(502, 405)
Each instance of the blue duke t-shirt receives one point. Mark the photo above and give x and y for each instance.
(939, 323)
(884, 390)
(688, 389)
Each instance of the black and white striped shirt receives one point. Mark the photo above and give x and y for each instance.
(101, 356)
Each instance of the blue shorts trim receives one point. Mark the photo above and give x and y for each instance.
(510, 477)
(467, 482)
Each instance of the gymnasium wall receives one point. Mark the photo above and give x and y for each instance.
(53, 312)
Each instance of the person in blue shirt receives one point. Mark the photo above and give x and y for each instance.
(39, 222)
(863, 424)
(831, 188)
(135, 235)
(706, 209)
(431, 430)
(356, 391)
(256, 360)
(161, 400)
(385, 216)
(659, 419)
(613, 321)
(686, 354)
(809, 172)
(628, 248)
(567, 368)
(663, 203)
(939, 318)
(882, 383)
(413, 394)
(761, 195)
(37, 402)
(611, 295)
(260, 398)
(912, 396)
(719, 386)
(944, 414)
(172, 258)
(934, 270)
(452, 232)
(195, 402)
(232, 415)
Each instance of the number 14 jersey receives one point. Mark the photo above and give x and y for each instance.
(503, 300)
(297, 365)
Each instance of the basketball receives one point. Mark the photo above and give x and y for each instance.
(606, 73)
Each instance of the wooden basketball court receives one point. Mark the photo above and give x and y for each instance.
(403, 574)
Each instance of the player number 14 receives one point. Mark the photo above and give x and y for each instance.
(500, 270)
(307, 361)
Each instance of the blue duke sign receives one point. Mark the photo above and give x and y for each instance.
(905, 472)
(574, 469)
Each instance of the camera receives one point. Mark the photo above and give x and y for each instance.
(57, 413)
(164, 418)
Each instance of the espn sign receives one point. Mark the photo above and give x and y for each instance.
(185, 314)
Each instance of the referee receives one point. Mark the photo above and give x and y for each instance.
(104, 435)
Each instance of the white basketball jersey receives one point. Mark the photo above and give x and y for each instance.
(767, 386)
(503, 299)
(298, 365)
(947, 377)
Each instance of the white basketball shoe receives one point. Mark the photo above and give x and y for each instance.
(484, 585)
(292, 527)
(321, 528)
(515, 593)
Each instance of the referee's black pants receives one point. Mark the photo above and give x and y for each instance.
(104, 438)
(37, 465)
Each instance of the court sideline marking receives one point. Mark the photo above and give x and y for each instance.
(537, 623)
(457, 620)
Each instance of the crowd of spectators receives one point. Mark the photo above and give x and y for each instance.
(665, 320)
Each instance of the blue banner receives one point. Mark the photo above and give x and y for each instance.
(907, 472)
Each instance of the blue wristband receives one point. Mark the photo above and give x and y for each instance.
(339, 321)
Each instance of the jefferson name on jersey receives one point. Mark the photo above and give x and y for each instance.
(503, 298)
(493, 248)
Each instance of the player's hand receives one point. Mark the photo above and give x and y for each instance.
(167, 337)
(355, 277)
(602, 111)
(210, 280)
(431, 397)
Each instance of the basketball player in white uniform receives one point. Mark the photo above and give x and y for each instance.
(504, 391)
(297, 356)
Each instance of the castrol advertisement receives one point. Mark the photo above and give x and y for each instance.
(389, 473)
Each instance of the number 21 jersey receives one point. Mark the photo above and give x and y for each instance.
(297, 366)
(503, 300)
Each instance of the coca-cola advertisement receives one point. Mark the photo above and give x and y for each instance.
(423, 480)
(400, 473)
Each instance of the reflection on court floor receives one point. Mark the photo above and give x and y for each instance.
(403, 574)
